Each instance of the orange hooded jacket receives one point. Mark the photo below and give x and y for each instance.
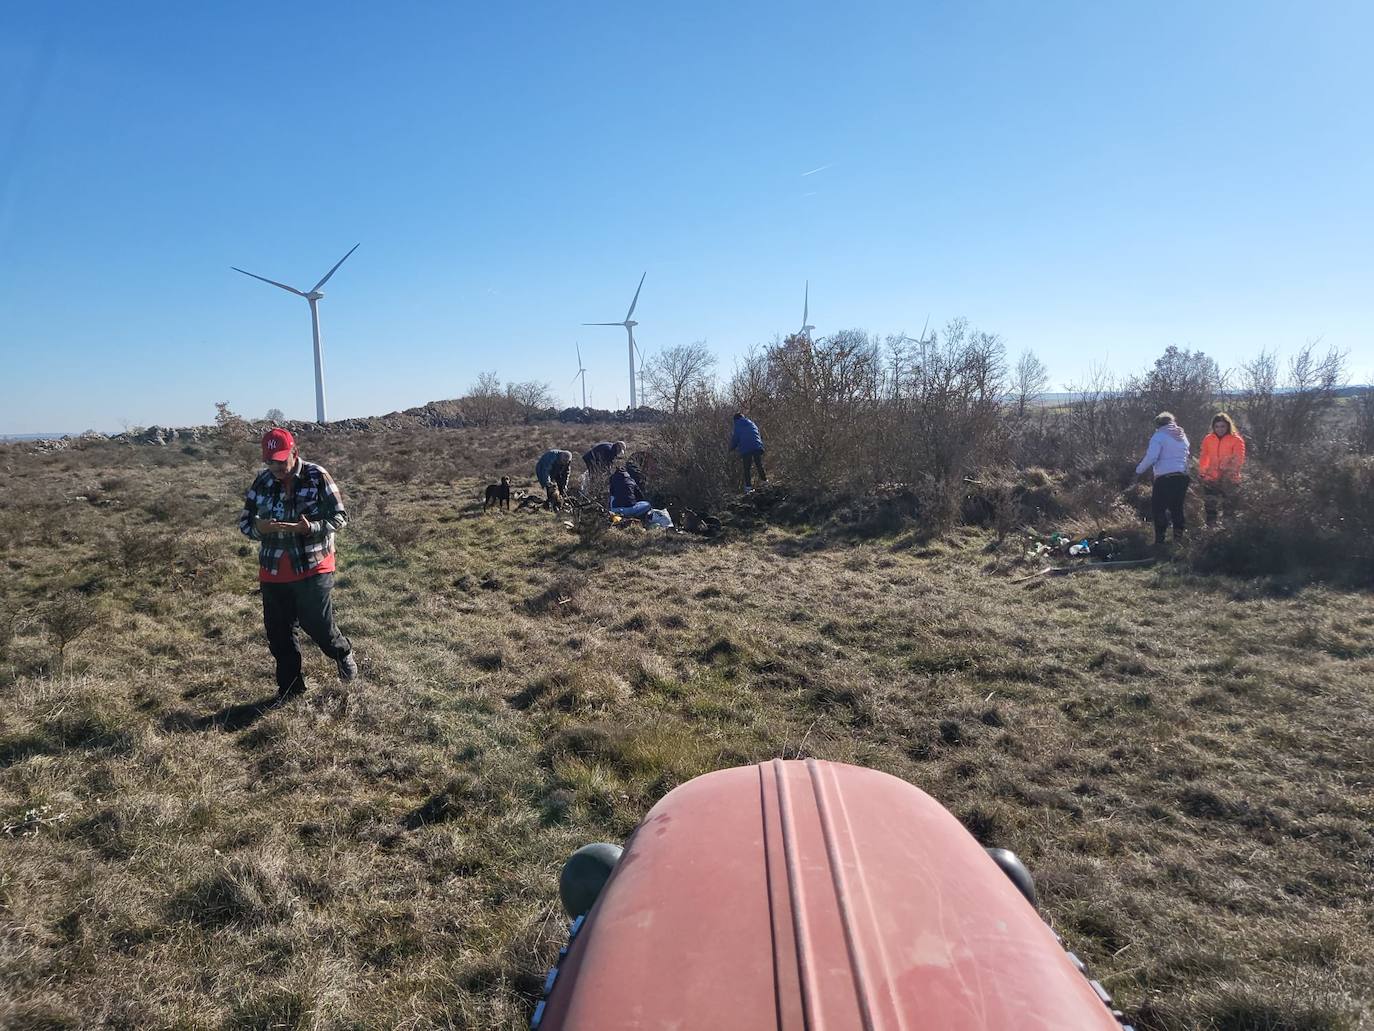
(1221, 458)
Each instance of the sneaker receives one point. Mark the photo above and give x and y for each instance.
(348, 668)
(748, 490)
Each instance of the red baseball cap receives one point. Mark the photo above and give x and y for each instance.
(277, 445)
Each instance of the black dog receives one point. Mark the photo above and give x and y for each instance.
(498, 494)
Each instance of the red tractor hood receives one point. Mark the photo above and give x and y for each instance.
(801, 896)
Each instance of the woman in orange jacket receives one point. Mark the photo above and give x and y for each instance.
(1219, 466)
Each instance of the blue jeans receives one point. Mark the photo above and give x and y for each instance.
(636, 511)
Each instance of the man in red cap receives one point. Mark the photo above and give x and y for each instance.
(294, 508)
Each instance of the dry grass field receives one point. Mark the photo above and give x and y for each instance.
(1184, 762)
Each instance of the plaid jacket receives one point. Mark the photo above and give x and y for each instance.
(317, 497)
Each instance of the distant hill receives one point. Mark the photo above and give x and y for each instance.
(7, 437)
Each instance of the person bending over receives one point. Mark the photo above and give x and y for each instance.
(1167, 458)
(552, 471)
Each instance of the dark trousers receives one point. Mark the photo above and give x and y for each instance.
(750, 461)
(1216, 496)
(1166, 504)
(307, 603)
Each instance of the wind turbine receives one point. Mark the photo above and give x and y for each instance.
(806, 329)
(629, 323)
(923, 342)
(581, 372)
(313, 296)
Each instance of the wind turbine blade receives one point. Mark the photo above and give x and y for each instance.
(334, 269)
(603, 323)
(806, 304)
(923, 330)
(578, 345)
(574, 379)
(293, 290)
(630, 314)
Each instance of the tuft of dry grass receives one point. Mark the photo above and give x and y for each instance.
(1183, 761)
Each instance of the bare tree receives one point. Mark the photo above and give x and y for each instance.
(1259, 403)
(484, 403)
(1282, 414)
(529, 397)
(275, 416)
(748, 389)
(680, 374)
(1028, 382)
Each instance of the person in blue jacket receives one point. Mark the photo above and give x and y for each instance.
(626, 497)
(748, 441)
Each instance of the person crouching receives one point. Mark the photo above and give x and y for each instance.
(627, 500)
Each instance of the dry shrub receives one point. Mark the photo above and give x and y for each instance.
(1320, 524)
(694, 463)
(1362, 431)
(69, 616)
(1004, 500)
(138, 549)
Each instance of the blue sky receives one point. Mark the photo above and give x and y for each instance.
(1091, 181)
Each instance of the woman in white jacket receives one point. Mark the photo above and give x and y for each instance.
(1167, 456)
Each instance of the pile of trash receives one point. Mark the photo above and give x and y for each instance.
(1056, 544)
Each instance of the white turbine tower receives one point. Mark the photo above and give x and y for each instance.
(806, 329)
(629, 325)
(581, 374)
(642, 363)
(313, 296)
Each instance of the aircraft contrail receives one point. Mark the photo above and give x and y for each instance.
(815, 170)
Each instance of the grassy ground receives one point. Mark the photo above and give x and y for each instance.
(1184, 762)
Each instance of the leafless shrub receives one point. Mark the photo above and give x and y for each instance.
(694, 464)
(69, 616)
(138, 549)
(1362, 430)
(1311, 523)
(1282, 412)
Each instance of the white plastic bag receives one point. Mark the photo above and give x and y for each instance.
(660, 517)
